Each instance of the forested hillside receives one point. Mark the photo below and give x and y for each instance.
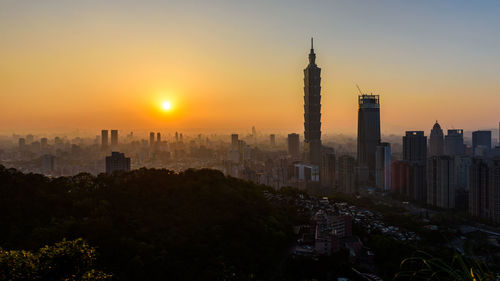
(151, 224)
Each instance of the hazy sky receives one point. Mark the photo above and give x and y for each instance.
(68, 65)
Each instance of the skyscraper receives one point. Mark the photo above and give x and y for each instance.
(347, 177)
(400, 177)
(415, 146)
(272, 140)
(481, 143)
(151, 138)
(383, 166)
(312, 109)
(436, 140)
(415, 153)
(114, 137)
(104, 139)
(494, 189)
(368, 132)
(484, 195)
(441, 186)
(234, 141)
(462, 171)
(478, 193)
(158, 137)
(454, 143)
(327, 171)
(294, 145)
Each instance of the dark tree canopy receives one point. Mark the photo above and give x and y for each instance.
(151, 224)
(66, 260)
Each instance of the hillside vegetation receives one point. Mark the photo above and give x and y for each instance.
(151, 224)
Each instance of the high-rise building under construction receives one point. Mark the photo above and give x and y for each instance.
(368, 131)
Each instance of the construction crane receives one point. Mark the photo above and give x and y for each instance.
(359, 89)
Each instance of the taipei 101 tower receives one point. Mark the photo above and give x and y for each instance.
(312, 110)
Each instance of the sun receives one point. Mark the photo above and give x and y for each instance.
(166, 105)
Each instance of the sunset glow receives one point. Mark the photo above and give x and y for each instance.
(265, 139)
(166, 106)
(61, 69)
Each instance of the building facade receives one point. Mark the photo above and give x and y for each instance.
(484, 195)
(441, 182)
(151, 139)
(481, 143)
(117, 162)
(436, 140)
(104, 139)
(415, 153)
(346, 174)
(478, 192)
(114, 137)
(462, 181)
(272, 140)
(368, 132)
(306, 173)
(312, 110)
(383, 167)
(234, 141)
(293, 142)
(454, 143)
(415, 146)
(328, 169)
(400, 177)
(494, 189)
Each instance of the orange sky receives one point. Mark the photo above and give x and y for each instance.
(93, 67)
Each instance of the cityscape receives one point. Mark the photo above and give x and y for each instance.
(251, 203)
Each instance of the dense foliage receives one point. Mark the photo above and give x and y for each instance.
(67, 260)
(151, 224)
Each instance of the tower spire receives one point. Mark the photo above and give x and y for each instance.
(312, 55)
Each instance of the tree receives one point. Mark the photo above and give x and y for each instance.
(66, 260)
